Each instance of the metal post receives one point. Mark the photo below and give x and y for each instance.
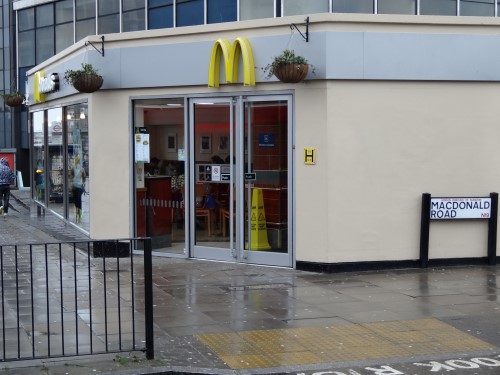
(492, 230)
(424, 230)
(148, 298)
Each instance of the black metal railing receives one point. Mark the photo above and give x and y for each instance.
(75, 298)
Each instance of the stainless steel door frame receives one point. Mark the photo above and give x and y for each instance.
(242, 191)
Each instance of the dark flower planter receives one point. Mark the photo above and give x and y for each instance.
(88, 83)
(291, 73)
(13, 101)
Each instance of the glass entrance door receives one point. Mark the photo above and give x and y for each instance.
(239, 196)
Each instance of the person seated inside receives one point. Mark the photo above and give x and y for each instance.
(216, 159)
(152, 168)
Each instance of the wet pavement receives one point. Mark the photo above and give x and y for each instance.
(222, 318)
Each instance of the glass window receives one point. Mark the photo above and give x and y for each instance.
(64, 36)
(6, 138)
(156, 3)
(6, 18)
(109, 7)
(25, 136)
(293, 7)
(132, 5)
(64, 11)
(164, 120)
(161, 17)
(397, 7)
(26, 48)
(6, 131)
(55, 161)
(44, 44)
(44, 15)
(133, 21)
(109, 24)
(85, 9)
(253, 9)
(26, 19)
(85, 15)
(221, 11)
(77, 155)
(484, 8)
(64, 32)
(352, 6)
(190, 12)
(438, 7)
(85, 28)
(38, 156)
(22, 86)
(109, 17)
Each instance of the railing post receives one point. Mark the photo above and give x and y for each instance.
(424, 230)
(492, 230)
(148, 298)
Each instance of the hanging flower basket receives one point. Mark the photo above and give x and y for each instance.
(288, 67)
(13, 100)
(291, 73)
(85, 79)
(88, 82)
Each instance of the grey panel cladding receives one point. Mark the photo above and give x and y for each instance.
(187, 64)
(411, 56)
(166, 65)
(334, 55)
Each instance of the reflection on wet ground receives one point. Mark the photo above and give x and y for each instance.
(223, 315)
(396, 313)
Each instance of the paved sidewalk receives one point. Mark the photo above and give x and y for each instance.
(220, 318)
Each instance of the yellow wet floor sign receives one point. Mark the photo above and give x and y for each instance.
(258, 228)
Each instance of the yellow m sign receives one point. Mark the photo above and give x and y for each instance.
(38, 96)
(231, 55)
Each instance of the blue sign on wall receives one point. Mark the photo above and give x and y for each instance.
(266, 140)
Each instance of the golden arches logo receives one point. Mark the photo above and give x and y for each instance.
(231, 55)
(38, 96)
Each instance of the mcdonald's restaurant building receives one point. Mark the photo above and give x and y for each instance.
(188, 141)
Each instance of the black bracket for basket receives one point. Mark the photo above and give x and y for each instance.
(306, 35)
(101, 51)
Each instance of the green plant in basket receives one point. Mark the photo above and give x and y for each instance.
(290, 64)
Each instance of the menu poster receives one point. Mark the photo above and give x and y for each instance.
(142, 148)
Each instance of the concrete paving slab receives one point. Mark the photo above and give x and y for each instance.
(220, 318)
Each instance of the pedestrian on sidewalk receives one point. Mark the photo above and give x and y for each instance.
(6, 178)
(79, 176)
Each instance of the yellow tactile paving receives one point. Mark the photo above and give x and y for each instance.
(306, 346)
(248, 361)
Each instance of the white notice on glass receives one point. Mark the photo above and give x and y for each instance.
(142, 148)
(216, 173)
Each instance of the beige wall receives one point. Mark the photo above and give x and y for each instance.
(381, 146)
(110, 138)
(311, 181)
